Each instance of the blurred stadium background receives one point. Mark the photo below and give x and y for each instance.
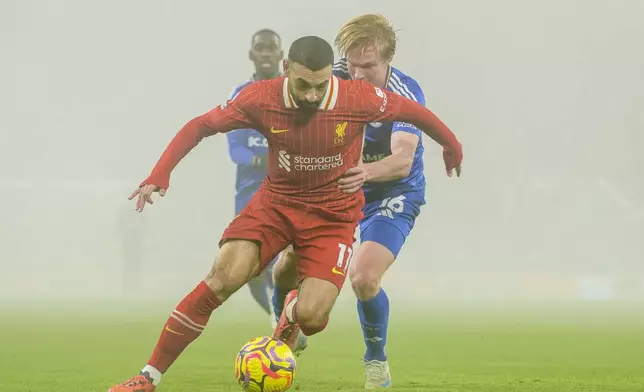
(546, 224)
(546, 96)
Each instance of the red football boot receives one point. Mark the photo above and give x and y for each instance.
(287, 329)
(138, 383)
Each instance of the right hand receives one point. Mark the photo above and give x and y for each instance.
(453, 160)
(144, 195)
(259, 161)
(352, 180)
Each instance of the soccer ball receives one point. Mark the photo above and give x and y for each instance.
(265, 364)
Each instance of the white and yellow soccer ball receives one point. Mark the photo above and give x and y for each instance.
(265, 364)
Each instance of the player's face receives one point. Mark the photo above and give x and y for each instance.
(266, 53)
(307, 87)
(365, 64)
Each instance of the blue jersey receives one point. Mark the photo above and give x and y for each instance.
(243, 146)
(391, 207)
(377, 143)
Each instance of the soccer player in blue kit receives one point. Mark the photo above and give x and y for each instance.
(248, 148)
(394, 188)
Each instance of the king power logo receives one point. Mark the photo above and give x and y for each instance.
(303, 163)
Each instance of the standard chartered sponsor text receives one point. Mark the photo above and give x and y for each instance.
(323, 163)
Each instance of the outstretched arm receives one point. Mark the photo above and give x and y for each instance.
(221, 119)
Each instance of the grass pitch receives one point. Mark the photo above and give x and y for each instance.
(595, 348)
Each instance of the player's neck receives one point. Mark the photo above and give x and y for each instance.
(259, 76)
(385, 78)
(382, 82)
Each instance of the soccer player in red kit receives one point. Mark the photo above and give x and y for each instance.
(314, 124)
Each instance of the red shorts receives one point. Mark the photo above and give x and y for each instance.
(324, 247)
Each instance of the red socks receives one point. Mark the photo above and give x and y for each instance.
(185, 324)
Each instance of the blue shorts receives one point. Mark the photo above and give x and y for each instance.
(389, 221)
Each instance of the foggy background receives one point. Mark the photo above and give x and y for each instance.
(545, 96)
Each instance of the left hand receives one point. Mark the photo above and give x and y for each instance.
(453, 161)
(143, 195)
(353, 179)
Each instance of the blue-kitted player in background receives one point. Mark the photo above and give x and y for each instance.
(248, 148)
(394, 188)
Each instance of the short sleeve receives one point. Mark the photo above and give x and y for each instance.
(410, 89)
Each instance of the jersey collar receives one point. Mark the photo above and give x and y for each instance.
(389, 71)
(328, 102)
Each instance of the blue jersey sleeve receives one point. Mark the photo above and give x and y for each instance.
(341, 69)
(238, 139)
(410, 89)
(237, 147)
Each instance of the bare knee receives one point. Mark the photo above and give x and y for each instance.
(311, 319)
(365, 284)
(371, 263)
(315, 301)
(285, 270)
(238, 263)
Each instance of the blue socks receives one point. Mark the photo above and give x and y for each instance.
(374, 318)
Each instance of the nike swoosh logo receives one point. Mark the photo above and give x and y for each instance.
(172, 331)
(336, 271)
(273, 130)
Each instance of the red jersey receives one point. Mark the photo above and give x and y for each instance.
(309, 150)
